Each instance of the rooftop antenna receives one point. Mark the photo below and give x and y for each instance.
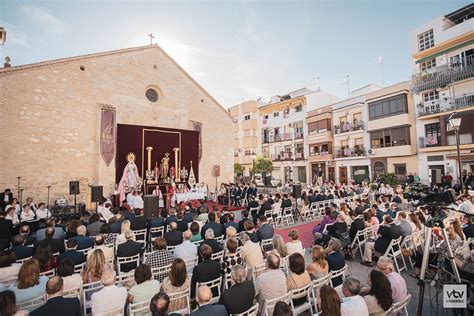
(319, 83)
(381, 70)
(151, 38)
(348, 88)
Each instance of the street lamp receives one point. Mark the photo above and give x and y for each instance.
(253, 155)
(454, 122)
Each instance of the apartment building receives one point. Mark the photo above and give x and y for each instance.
(245, 120)
(443, 82)
(392, 131)
(320, 144)
(283, 132)
(351, 139)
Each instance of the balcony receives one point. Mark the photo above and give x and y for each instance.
(443, 75)
(441, 106)
(349, 127)
(282, 157)
(299, 135)
(281, 137)
(429, 141)
(350, 152)
(299, 156)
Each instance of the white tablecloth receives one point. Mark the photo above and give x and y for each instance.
(184, 197)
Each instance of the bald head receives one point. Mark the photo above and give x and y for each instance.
(204, 294)
(54, 285)
(173, 226)
(108, 277)
(187, 235)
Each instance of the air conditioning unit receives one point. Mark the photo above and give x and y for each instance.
(291, 124)
(370, 151)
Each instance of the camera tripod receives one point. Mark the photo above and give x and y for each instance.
(435, 222)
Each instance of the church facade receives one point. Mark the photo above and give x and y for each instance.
(52, 118)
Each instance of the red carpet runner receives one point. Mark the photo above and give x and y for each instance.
(305, 230)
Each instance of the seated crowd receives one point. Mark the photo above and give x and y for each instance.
(192, 260)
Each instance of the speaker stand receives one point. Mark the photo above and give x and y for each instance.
(75, 203)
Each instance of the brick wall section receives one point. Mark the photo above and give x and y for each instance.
(51, 117)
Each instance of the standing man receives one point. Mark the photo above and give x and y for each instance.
(6, 198)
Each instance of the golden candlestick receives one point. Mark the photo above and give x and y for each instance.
(176, 162)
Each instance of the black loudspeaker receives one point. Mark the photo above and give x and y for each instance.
(268, 181)
(73, 187)
(151, 208)
(297, 190)
(97, 193)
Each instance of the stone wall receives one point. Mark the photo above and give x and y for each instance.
(51, 117)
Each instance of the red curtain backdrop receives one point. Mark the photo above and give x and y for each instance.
(129, 139)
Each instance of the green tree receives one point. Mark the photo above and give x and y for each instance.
(389, 178)
(238, 169)
(263, 165)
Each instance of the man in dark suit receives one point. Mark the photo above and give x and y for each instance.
(6, 198)
(339, 227)
(182, 225)
(174, 237)
(357, 224)
(244, 192)
(128, 249)
(6, 228)
(231, 222)
(378, 212)
(205, 271)
(245, 218)
(239, 297)
(387, 231)
(115, 224)
(57, 304)
(253, 206)
(57, 245)
(265, 231)
(217, 228)
(156, 221)
(203, 298)
(18, 247)
(266, 206)
(71, 253)
(83, 241)
(210, 241)
(286, 202)
(335, 259)
(172, 217)
(139, 221)
(188, 214)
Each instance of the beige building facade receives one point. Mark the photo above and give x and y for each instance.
(392, 131)
(51, 116)
(245, 127)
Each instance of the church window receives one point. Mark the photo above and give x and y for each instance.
(151, 95)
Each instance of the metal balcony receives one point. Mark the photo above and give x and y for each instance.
(350, 152)
(451, 104)
(348, 127)
(443, 75)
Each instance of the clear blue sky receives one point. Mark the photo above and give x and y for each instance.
(235, 49)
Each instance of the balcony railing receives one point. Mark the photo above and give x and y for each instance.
(350, 152)
(299, 156)
(450, 104)
(429, 141)
(282, 157)
(282, 137)
(443, 75)
(298, 135)
(348, 127)
(321, 153)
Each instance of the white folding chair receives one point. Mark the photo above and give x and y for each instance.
(268, 214)
(124, 260)
(87, 290)
(159, 273)
(338, 273)
(23, 260)
(115, 312)
(398, 307)
(287, 217)
(394, 251)
(171, 248)
(49, 273)
(252, 311)
(124, 279)
(258, 269)
(190, 264)
(78, 268)
(409, 244)
(179, 296)
(227, 281)
(74, 292)
(140, 236)
(139, 308)
(217, 256)
(156, 232)
(266, 244)
(85, 250)
(302, 292)
(32, 304)
(269, 305)
(216, 283)
(317, 284)
(359, 242)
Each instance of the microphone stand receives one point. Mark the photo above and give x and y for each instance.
(49, 189)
